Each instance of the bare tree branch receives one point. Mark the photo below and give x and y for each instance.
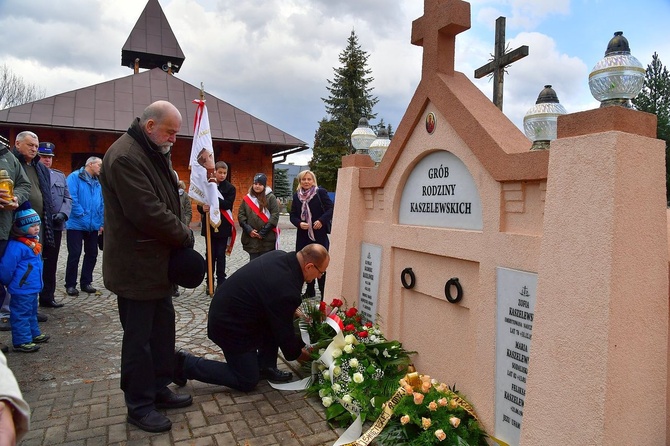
(15, 91)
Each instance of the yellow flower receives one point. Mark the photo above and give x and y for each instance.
(347, 399)
(353, 362)
(404, 419)
(337, 370)
(348, 348)
(425, 423)
(418, 398)
(453, 404)
(440, 434)
(454, 421)
(326, 401)
(432, 406)
(358, 377)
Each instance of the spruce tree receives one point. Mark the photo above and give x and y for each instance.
(282, 189)
(350, 99)
(655, 98)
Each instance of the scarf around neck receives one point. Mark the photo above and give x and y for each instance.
(306, 214)
(32, 243)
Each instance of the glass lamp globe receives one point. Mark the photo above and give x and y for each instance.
(362, 137)
(378, 147)
(619, 76)
(540, 122)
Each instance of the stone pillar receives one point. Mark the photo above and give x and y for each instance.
(598, 367)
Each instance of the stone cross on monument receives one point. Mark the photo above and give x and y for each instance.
(499, 62)
(436, 32)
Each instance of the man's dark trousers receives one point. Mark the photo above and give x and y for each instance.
(75, 239)
(147, 351)
(50, 256)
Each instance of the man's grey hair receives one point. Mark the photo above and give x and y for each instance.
(93, 160)
(21, 136)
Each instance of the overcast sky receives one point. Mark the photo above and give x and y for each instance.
(272, 58)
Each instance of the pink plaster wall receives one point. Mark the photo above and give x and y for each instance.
(456, 342)
(601, 320)
(607, 222)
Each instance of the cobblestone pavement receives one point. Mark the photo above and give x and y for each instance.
(72, 383)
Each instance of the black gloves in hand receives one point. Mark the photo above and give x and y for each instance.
(246, 227)
(59, 218)
(265, 230)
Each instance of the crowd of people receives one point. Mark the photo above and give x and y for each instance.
(134, 193)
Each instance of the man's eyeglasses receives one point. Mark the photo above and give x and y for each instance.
(321, 273)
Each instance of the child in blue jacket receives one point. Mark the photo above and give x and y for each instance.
(21, 272)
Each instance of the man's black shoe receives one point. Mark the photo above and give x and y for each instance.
(167, 399)
(88, 289)
(274, 374)
(42, 317)
(154, 421)
(50, 304)
(72, 291)
(178, 373)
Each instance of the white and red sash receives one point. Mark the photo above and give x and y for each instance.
(228, 215)
(252, 202)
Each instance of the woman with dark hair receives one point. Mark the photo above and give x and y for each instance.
(311, 213)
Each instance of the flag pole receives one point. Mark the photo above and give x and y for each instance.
(208, 235)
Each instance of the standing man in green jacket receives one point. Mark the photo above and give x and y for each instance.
(8, 204)
(142, 226)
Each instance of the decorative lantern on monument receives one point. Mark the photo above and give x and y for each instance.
(540, 122)
(619, 76)
(362, 137)
(378, 147)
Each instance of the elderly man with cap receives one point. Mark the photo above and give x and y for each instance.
(62, 205)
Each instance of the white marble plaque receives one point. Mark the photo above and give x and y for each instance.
(368, 293)
(516, 292)
(441, 192)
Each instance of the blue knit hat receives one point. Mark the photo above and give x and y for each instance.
(25, 217)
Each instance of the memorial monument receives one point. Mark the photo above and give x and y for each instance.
(535, 281)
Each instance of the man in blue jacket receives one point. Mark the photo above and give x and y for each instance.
(84, 225)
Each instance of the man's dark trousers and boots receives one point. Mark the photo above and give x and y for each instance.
(147, 363)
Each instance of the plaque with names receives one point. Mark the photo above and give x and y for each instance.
(371, 259)
(441, 192)
(516, 295)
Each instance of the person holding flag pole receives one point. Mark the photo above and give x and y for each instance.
(215, 197)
